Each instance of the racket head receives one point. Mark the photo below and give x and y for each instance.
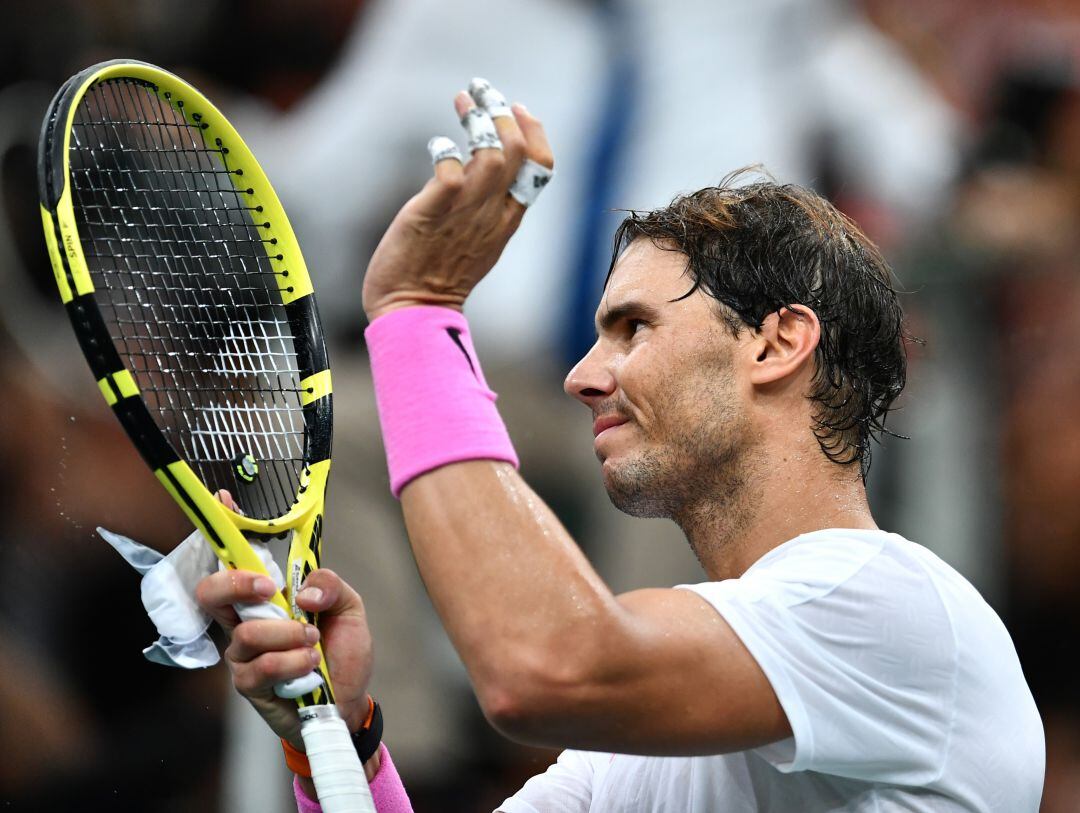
(189, 295)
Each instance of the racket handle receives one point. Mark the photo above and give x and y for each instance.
(335, 766)
(289, 689)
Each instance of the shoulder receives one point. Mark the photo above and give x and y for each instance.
(813, 566)
(864, 586)
(875, 648)
(856, 640)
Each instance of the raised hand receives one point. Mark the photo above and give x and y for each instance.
(449, 235)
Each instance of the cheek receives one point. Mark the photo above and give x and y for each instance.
(637, 376)
(680, 391)
(653, 385)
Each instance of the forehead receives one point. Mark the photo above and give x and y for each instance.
(645, 274)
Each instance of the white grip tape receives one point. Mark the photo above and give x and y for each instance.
(481, 130)
(488, 98)
(441, 148)
(265, 611)
(530, 182)
(335, 766)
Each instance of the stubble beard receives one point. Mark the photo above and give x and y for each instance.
(702, 480)
(676, 481)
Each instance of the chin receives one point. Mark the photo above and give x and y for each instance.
(633, 488)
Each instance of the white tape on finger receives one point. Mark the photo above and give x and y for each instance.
(489, 98)
(530, 182)
(441, 148)
(481, 130)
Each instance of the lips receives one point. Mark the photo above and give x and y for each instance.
(606, 422)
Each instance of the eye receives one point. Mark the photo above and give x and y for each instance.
(634, 326)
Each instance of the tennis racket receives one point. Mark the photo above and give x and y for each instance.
(192, 304)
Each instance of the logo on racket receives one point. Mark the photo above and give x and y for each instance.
(246, 468)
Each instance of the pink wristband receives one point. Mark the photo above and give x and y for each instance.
(434, 406)
(387, 791)
(304, 804)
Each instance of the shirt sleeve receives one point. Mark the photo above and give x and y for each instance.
(859, 648)
(566, 786)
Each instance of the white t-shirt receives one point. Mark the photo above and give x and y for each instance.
(901, 684)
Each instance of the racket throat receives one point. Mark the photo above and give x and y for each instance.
(304, 558)
(295, 582)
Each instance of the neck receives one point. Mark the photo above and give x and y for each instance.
(774, 504)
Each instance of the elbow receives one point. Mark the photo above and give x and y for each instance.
(511, 711)
(535, 699)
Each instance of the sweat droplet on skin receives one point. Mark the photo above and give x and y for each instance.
(509, 484)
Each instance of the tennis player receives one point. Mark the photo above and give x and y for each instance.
(749, 348)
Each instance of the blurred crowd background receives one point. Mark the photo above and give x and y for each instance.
(949, 130)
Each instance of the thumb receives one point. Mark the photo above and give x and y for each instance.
(324, 591)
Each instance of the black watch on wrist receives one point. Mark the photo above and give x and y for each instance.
(366, 740)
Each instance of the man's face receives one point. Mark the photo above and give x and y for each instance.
(663, 385)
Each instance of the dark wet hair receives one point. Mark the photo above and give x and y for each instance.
(764, 246)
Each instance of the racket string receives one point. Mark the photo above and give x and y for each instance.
(237, 424)
(138, 291)
(179, 258)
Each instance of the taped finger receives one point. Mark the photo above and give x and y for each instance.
(441, 148)
(481, 130)
(489, 98)
(530, 182)
(536, 143)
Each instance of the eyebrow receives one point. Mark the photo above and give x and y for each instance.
(625, 310)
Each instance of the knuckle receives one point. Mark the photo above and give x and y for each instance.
(236, 659)
(544, 158)
(212, 591)
(238, 582)
(453, 182)
(297, 634)
(241, 639)
(267, 667)
(242, 681)
(489, 161)
(514, 217)
(514, 143)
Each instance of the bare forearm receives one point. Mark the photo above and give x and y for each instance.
(555, 658)
(508, 581)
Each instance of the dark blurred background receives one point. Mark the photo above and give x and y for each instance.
(950, 131)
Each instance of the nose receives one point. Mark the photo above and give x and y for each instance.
(591, 379)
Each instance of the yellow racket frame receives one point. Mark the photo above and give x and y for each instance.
(223, 527)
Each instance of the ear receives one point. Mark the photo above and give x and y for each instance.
(786, 341)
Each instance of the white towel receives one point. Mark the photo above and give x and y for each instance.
(168, 594)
